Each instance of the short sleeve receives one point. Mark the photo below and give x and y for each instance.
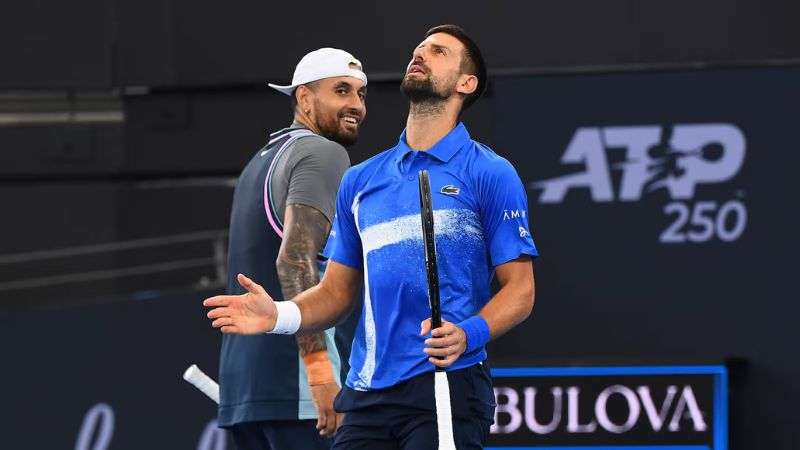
(316, 174)
(504, 213)
(344, 242)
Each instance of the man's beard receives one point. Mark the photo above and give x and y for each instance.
(331, 128)
(422, 91)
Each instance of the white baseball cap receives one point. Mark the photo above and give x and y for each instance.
(323, 63)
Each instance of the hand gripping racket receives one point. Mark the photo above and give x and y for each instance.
(444, 419)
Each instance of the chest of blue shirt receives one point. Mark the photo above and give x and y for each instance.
(388, 219)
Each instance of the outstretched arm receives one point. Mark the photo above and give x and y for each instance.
(305, 231)
(320, 307)
(254, 312)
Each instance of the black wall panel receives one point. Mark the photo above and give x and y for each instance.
(60, 240)
(42, 216)
(178, 43)
(251, 43)
(51, 44)
(213, 132)
(60, 150)
(144, 50)
(127, 356)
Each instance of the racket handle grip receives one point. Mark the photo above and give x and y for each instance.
(444, 415)
(203, 382)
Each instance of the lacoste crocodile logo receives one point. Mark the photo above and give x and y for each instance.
(450, 190)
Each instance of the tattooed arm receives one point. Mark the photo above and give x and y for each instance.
(305, 232)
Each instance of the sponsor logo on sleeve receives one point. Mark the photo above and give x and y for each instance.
(510, 214)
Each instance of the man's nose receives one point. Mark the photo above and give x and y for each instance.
(355, 101)
(418, 55)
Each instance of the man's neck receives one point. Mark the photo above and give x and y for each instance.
(306, 122)
(428, 123)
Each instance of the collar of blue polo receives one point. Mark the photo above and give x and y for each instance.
(442, 150)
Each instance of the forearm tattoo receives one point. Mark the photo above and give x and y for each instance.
(305, 233)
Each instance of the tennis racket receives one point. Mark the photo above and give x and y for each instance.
(444, 419)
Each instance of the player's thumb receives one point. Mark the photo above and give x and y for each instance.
(425, 327)
(251, 286)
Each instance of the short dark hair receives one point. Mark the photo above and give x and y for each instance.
(471, 62)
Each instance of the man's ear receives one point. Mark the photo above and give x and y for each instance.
(467, 84)
(305, 98)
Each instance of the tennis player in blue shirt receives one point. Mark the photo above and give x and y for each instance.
(482, 231)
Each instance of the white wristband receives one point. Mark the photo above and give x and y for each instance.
(288, 318)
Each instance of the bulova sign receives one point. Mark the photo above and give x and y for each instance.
(678, 406)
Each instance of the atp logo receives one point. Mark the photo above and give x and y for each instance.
(676, 159)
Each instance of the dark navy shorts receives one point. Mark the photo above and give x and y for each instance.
(403, 417)
(279, 435)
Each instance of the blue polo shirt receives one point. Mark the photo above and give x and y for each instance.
(480, 221)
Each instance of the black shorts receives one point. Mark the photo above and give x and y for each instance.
(279, 435)
(403, 417)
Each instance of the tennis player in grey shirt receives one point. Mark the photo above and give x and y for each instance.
(277, 392)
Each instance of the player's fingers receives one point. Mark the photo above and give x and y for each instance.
(441, 352)
(425, 327)
(218, 300)
(339, 419)
(436, 342)
(330, 425)
(445, 362)
(444, 341)
(321, 420)
(219, 312)
(437, 362)
(438, 352)
(251, 286)
(446, 329)
(229, 329)
(444, 336)
(222, 322)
